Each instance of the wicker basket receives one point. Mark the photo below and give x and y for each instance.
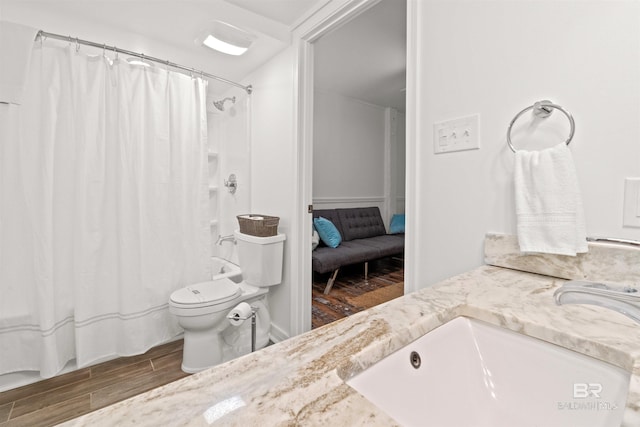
(265, 226)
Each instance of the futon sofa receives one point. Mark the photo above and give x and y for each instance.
(364, 239)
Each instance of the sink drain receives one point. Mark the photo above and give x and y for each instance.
(415, 360)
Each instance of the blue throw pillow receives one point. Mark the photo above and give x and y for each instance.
(397, 224)
(328, 232)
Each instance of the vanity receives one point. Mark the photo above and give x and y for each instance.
(303, 381)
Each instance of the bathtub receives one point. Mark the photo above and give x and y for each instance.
(220, 268)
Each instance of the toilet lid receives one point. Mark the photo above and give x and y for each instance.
(207, 293)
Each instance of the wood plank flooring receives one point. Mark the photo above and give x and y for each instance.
(58, 399)
(350, 290)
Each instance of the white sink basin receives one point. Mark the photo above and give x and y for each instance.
(475, 374)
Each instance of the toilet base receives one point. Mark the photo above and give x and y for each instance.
(202, 350)
(196, 358)
(206, 348)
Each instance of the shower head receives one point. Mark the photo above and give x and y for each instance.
(220, 104)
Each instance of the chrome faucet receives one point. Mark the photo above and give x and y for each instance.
(229, 238)
(622, 299)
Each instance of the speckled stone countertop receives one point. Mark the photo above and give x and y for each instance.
(301, 381)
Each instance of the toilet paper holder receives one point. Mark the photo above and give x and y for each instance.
(252, 316)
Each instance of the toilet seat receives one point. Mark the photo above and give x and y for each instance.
(220, 292)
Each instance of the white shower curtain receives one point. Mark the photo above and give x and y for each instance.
(103, 208)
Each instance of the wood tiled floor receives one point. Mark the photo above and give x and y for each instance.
(351, 286)
(67, 396)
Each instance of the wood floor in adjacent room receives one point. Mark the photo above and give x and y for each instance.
(61, 398)
(351, 293)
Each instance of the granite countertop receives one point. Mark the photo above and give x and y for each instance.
(301, 381)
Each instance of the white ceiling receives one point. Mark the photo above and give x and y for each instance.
(287, 12)
(366, 58)
(167, 28)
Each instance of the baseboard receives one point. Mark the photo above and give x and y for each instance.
(277, 334)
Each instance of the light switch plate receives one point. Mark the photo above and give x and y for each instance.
(631, 202)
(457, 134)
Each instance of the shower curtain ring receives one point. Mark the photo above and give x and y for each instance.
(77, 45)
(115, 53)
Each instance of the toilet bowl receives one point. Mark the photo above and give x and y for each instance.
(202, 311)
(202, 308)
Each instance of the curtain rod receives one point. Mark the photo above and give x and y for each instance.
(142, 56)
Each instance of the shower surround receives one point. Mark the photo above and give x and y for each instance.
(229, 154)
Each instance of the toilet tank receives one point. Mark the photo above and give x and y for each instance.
(260, 258)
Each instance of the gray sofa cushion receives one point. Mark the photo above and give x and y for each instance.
(326, 259)
(360, 223)
(387, 245)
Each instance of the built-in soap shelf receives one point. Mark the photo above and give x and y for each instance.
(212, 157)
(213, 160)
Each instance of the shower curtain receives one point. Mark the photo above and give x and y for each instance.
(103, 208)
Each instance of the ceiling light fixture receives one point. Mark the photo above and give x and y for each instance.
(225, 38)
(222, 46)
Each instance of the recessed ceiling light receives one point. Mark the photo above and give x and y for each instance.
(225, 38)
(224, 47)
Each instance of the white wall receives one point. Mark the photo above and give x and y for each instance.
(273, 175)
(358, 155)
(348, 152)
(503, 56)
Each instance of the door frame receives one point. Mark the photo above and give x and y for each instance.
(303, 131)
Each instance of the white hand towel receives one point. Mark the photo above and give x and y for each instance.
(16, 42)
(548, 203)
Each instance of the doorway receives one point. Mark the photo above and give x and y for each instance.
(358, 85)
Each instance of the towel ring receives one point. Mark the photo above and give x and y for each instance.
(542, 109)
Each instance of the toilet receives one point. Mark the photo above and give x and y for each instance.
(202, 308)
